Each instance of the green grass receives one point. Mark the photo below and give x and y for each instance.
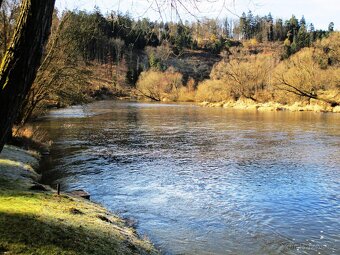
(45, 223)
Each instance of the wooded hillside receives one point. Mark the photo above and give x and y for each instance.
(91, 55)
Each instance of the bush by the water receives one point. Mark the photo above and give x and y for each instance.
(213, 91)
(160, 86)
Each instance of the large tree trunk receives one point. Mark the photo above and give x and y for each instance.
(22, 59)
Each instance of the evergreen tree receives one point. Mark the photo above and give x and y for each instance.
(293, 28)
(270, 27)
(302, 21)
(251, 25)
(331, 27)
(279, 33)
(311, 33)
(227, 28)
(302, 38)
(243, 26)
(293, 46)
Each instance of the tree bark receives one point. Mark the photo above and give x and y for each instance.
(19, 65)
(4, 31)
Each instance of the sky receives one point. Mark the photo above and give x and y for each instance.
(319, 12)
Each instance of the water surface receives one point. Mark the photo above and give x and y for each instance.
(206, 180)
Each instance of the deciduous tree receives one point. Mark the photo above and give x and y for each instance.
(21, 61)
(302, 75)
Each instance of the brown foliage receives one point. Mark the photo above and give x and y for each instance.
(302, 75)
(245, 76)
(213, 91)
(158, 86)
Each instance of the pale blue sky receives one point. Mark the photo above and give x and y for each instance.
(320, 12)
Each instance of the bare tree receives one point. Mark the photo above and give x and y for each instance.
(60, 74)
(245, 77)
(8, 13)
(302, 75)
(156, 85)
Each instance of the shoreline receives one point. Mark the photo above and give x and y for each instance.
(272, 106)
(38, 221)
(247, 104)
(242, 104)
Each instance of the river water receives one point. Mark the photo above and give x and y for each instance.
(205, 180)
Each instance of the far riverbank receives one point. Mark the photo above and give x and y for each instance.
(273, 106)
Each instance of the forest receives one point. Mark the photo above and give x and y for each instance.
(258, 58)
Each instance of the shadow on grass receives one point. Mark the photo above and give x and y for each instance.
(28, 234)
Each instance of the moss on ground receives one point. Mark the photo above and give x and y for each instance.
(41, 222)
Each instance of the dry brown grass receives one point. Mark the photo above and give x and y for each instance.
(30, 137)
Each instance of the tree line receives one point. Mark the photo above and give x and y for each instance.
(95, 38)
(94, 34)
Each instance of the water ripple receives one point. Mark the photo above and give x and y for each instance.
(206, 181)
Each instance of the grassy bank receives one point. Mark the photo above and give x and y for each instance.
(38, 221)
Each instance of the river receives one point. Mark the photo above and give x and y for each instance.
(200, 180)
